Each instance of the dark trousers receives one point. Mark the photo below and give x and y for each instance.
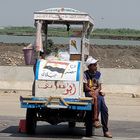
(104, 112)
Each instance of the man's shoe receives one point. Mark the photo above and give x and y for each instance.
(108, 135)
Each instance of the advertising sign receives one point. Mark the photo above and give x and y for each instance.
(75, 45)
(58, 70)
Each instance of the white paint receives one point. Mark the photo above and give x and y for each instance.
(57, 88)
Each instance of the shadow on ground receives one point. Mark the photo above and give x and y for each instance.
(123, 129)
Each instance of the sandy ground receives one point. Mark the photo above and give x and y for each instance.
(10, 103)
(109, 56)
(121, 107)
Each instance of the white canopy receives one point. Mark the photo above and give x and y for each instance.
(63, 15)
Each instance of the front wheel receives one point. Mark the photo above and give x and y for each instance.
(30, 121)
(88, 123)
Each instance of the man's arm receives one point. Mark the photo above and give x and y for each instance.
(86, 86)
(99, 85)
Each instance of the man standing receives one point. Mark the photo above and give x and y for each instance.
(94, 76)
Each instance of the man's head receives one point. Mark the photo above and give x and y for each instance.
(91, 63)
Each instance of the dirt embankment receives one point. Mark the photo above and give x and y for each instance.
(109, 56)
(117, 56)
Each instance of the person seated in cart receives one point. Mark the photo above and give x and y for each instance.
(92, 88)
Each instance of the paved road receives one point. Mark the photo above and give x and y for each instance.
(124, 121)
(122, 130)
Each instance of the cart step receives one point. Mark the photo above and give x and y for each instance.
(56, 106)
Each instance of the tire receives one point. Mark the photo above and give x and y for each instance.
(72, 124)
(30, 121)
(88, 123)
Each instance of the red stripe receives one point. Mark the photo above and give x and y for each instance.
(56, 62)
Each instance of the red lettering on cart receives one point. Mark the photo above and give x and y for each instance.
(70, 89)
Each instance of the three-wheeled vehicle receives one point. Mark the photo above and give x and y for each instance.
(57, 94)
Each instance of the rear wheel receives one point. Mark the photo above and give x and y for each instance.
(30, 121)
(88, 123)
(72, 124)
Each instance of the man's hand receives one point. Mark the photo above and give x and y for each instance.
(96, 92)
(102, 93)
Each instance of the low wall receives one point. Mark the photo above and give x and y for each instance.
(121, 80)
(16, 78)
(114, 80)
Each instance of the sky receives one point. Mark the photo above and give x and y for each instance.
(106, 13)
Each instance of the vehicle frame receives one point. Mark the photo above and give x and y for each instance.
(53, 107)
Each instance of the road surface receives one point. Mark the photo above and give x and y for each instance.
(123, 112)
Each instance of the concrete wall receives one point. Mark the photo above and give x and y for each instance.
(13, 77)
(114, 80)
(121, 80)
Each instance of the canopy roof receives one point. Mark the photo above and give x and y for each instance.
(63, 15)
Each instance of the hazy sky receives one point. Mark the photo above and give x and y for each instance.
(106, 13)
